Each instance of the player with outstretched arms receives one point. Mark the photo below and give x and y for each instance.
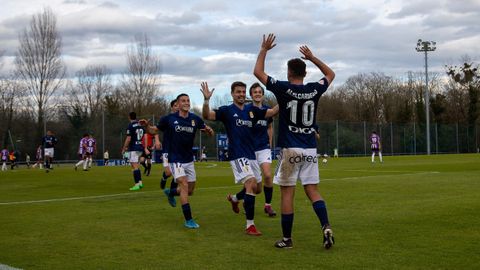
(296, 135)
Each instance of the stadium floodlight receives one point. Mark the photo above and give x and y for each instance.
(426, 46)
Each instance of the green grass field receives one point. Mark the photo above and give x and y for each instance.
(411, 212)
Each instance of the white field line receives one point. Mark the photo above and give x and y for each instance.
(6, 267)
(205, 188)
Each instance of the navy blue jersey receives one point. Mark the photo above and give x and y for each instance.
(135, 131)
(260, 131)
(298, 109)
(166, 137)
(182, 135)
(49, 141)
(238, 124)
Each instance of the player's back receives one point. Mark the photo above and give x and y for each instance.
(135, 131)
(297, 111)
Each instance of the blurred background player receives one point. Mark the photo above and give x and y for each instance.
(376, 146)
(49, 142)
(90, 152)
(82, 149)
(39, 157)
(4, 155)
(106, 157)
(165, 144)
(146, 157)
(133, 145)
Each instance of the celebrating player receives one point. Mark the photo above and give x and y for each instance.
(182, 127)
(238, 121)
(296, 135)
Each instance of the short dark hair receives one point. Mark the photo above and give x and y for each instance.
(235, 84)
(181, 95)
(132, 115)
(297, 67)
(255, 85)
(172, 103)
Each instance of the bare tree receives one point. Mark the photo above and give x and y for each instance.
(140, 84)
(38, 61)
(93, 84)
(10, 91)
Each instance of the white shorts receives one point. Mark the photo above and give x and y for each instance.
(49, 152)
(165, 160)
(244, 169)
(134, 156)
(183, 169)
(297, 163)
(263, 156)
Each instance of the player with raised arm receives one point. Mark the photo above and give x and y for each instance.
(182, 126)
(296, 135)
(238, 121)
(133, 145)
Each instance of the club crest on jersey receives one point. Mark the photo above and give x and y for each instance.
(193, 123)
(251, 114)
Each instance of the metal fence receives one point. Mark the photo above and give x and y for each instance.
(352, 139)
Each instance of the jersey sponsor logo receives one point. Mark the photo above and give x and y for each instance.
(302, 95)
(303, 158)
(184, 129)
(301, 130)
(262, 123)
(241, 122)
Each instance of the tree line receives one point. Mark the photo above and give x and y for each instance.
(37, 95)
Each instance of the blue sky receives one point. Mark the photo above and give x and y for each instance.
(217, 41)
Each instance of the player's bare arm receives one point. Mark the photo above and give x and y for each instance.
(259, 71)
(207, 94)
(208, 130)
(125, 145)
(158, 143)
(326, 70)
(272, 112)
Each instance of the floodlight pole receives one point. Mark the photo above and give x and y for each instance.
(426, 46)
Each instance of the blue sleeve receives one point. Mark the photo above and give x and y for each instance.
(220, 113)
(163, 123)
(201, 123)
(129, 132)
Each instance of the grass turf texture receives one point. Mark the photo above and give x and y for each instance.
(411, 212)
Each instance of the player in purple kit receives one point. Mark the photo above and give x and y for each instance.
(133, 145)
(296, 136)
(182, 127)
(39, 157)
(82, 148)
(238, 121)
(4, 155)
(90, 151)
(376, 146)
